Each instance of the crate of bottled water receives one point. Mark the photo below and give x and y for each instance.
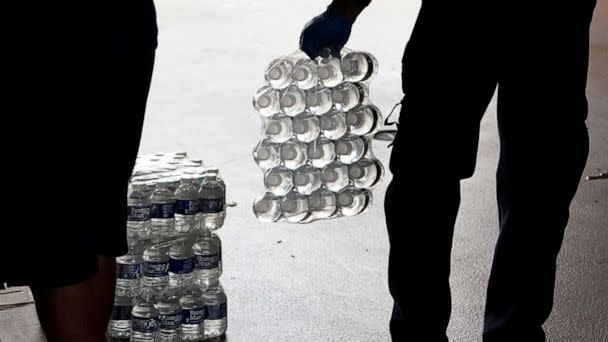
(167, 286)
(316, 146)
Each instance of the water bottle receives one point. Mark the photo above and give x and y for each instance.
(212, 196)
(119, 326)
(365, 173)
(216, 307)
(307, 179)
(162, 210)
(267, 101)
(218, 242)
(279, 181)
(206, 254)
(347, 96)
(144, 319)
(278, 73)
(170, 314)
(278, 128)
(173, 183)
(293, 101)
(193, 314)
(335, 176)
(333, 125)
(294, 207)
(186, 205)
(128, 271)
(318, 100)
(358, 66)
(155, 269)
(329, 71)
(321, 152)
(305, 74)
(267, 154)
(322, 203)
(350, 149)
(267, 207)
(293, 153)
(138, 213)
(353, 201)
(181, 262)
(306, 127)
(362, 120)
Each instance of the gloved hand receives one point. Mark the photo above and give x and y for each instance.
(326, 34)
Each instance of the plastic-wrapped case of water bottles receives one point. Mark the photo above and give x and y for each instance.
(316, 145)
(167, 286)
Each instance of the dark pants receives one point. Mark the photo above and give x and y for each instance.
(458, 53)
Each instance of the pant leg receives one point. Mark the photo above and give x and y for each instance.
(544, 144)
(448, 80)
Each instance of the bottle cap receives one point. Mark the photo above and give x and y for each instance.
(262, 206)
(313, 100)
(288, 205)
(356, 171)
(338, 96)
(275, 73)
(273, 179)
(301, 179)
(288, 100)
(344, 199)
(330, 175)
(343, 148)
(274, 128)
(299, 127)
(315, 201)
(352, 118)
(264, 101)
(300, 74)
(263, 153)
(288, 152)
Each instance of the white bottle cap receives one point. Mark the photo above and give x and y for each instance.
(288, 100)
(275, 73)
(300, 74)
(264, 101)
(263, 153)
(274, 128)
(324, 72)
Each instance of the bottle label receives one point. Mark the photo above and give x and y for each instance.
(144, 325)
(136, 213)
(121, 312)
(171, 322)
(162, 211)
(186, 207)
(212, 205)
(206, 262)
(217, 311)
(156, 269)
(181, 266)
(193, 316)
(126, 271)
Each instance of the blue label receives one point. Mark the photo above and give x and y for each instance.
(193, 316)
(206, 262)
(121, 312)
(126, 271)
(156, 269)
(212, 205)
(171, 322)
(186, 207)
(217, 311)
(181, 266)
(162, 211)
(144, 325)
(137, 213)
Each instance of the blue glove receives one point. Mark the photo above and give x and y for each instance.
(326, 34)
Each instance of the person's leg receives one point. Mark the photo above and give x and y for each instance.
(448, 80)
(544, 144)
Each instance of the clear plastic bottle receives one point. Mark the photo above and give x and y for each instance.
(155, 269)
(206, 254)
(347, 96)
(212, 196)
(144, 319)
(294, 207)
(365, 173)
(318, 100)
(181, 262)
(322, 203)
(350, 149)
(218, 242)
(293, 101)
(279, 180)
(329, 71)
(278, 128)
(335, 176)
(170, 314)
(128, 270)
(138, 213)
(306, 127)
(278, 73)
(267, 101)
(216, 308)
(321, 152)
(353, 201)
(193, 314)
(358, 66)
(362, 120)
(162, 210)
(120, 322)
(305, 73)
(333, 125)
(307, 179)
(267, 154)
(267, 207)
(187, 205)
(293, 153)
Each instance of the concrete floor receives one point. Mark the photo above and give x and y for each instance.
(327, 281)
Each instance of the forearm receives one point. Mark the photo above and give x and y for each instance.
(350, 8)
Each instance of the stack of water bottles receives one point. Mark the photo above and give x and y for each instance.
(167, 286)
(317, 129)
